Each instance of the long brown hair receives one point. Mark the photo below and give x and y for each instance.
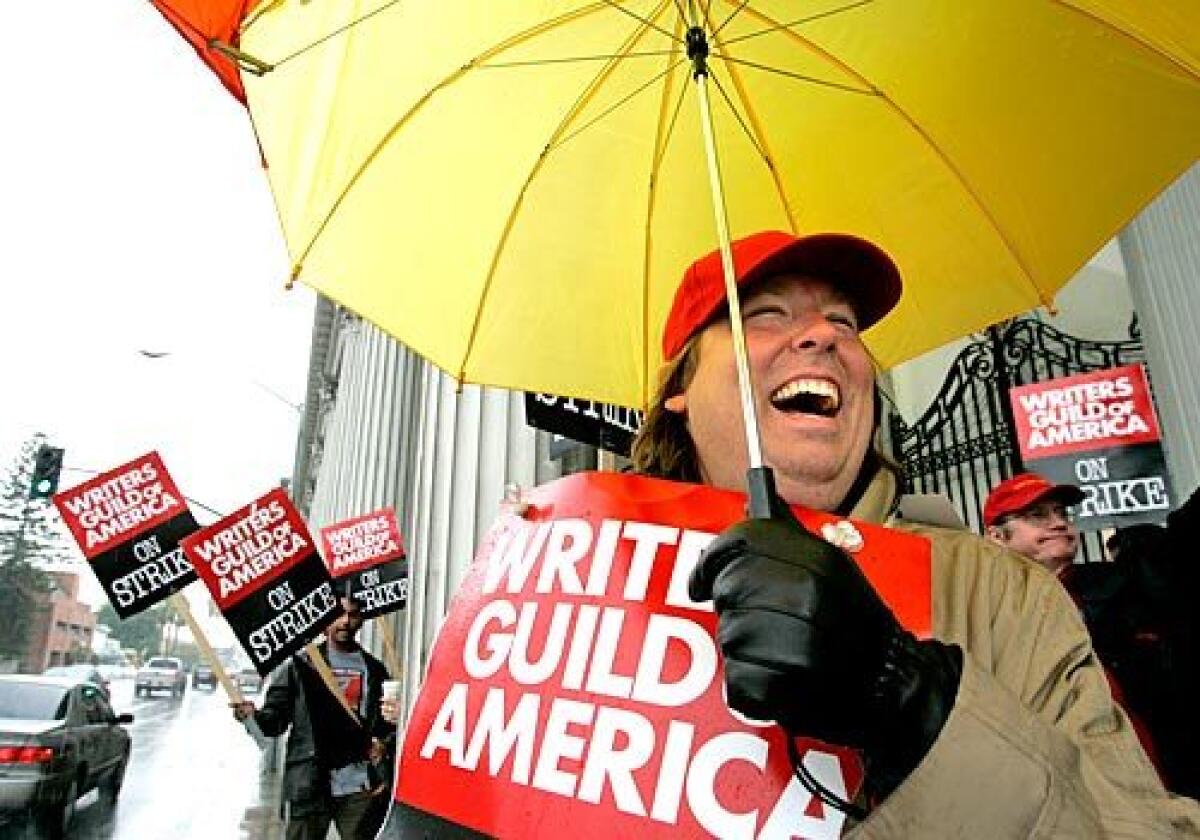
(663, 446)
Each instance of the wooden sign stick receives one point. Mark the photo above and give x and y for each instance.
(179, 602)
(389, 646)
(327, 677)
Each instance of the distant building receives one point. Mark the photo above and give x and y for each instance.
(103, 643)
(61, 626)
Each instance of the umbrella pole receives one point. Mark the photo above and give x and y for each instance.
(760, 483)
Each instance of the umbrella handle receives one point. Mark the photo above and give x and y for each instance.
(760, 483)
(764, 502)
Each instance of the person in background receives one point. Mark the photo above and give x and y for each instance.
(389, 709)
(1031, 516)
(1146, 631)
(999, 725)
(330, 774)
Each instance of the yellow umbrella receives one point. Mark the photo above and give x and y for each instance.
(513, 188)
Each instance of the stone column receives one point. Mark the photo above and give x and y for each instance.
(1161, 248)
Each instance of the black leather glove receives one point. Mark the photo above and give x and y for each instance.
(808, 643)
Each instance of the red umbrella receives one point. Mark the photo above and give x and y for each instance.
(212, 27)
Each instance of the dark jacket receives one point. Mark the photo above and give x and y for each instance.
(323, 737)
(1141, 613)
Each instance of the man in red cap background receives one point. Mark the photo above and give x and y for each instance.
(1031, 516)
(998, 725)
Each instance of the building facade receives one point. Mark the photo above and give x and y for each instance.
(61, 627)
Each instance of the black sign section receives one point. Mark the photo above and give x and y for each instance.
(380, 589)
(1122, 485)
(277, 620)
(606, 426)
(140, 572)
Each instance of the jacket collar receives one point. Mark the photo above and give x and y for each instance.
(879, 499)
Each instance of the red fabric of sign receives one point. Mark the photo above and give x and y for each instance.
(1090, 411)
(576, 691)
(118, 505)
(202, 21)
(250, 548)
(354, 545)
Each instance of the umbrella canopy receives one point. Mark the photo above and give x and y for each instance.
(513, 189)
(211, 27)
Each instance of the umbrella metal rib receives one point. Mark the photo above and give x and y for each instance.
(407, 116)
(341, 30)
(925, 138)
(664, 128)
(575, 109)
(645, 21)
(1188, 71)
(789, 25)
(574, 59)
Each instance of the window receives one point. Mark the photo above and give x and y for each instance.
(32, 701)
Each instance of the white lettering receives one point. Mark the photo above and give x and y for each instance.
(608, 763)
(558, 743)
(648, 685)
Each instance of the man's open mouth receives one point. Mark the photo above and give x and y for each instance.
(819, 397)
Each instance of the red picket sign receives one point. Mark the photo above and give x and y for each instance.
(263, 570)
(367, 553)
(354, 545)
(575, 689)
(128, 522)
(1087, 411)
(1097, 430)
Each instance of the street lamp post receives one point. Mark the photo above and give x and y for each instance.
(294, 406)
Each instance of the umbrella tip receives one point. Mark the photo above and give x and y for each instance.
(295, 275)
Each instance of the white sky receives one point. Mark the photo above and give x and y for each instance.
(134, 215)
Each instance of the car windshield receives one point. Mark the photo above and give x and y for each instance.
(32, 701)
(158, 662)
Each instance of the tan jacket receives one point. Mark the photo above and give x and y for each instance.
(1035, 746)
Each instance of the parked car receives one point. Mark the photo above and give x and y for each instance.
(161, 673)
(115, 666)
(59, 739)
(202, 675)
(249, 681)
(82, 672)
(116, 671)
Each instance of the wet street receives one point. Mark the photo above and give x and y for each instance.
(193, 773)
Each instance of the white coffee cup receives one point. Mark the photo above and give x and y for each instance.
(391, 689)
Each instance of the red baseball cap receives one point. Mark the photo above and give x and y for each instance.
(859, 269)
(1022, 491)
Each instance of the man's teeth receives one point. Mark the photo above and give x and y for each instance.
(821, 388)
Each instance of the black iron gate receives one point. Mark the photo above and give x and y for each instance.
(964, 443)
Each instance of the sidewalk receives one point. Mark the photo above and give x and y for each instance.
(262, 819)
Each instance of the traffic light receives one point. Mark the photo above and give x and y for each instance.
(47, 464)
